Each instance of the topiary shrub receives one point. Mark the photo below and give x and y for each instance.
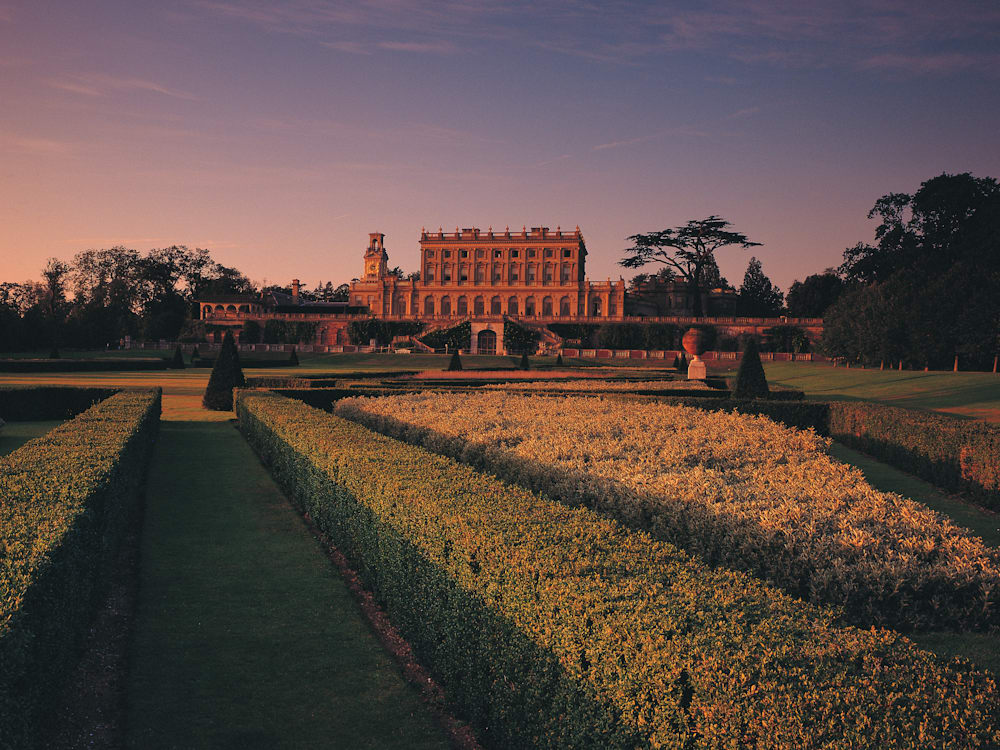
(525, 364)
(682, 362)
(226, 375)
(750, 379)
(559, 360)
(293, 361)
(178, 361)
(194, 355)
(455, 364)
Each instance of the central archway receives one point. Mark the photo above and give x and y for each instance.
(486, 342)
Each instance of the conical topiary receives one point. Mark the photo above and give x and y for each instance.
(559, 361)
(194, 354)
(226, 375)
(682, 362)
(525, 364)
(293, 361)
(455, 364)
(750, 379)
(178, 361)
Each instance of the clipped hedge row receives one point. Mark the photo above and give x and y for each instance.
(65, 499)
(84, 365)
(553, 627)
(956, 454)
(20, 403)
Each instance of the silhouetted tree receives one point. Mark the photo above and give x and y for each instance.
(812, 298)
(759, 298)
(688, 250)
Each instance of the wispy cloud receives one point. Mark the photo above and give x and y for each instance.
(437, 48)
(99, 84)
(353, 48)
(747, 112)
(649, 137)
(939, 63)
(34, 145)
(554, 160)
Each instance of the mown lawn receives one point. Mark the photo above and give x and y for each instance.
(968, 394)
(245, 635)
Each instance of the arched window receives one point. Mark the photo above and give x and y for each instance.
(478, 306)
(462, 306)
(546, 306)
(529, 306)
(512, 306)
(564, 306)
(496, 306)
(220, 309)
(244, 308)
(428, 305)
(446, 305)
(230, 309)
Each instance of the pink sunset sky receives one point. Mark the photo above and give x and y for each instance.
(277, 135)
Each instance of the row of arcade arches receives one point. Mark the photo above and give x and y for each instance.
(497, 306)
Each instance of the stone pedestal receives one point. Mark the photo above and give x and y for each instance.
(696, 370)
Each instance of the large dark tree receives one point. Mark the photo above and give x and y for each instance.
(687, 250)
(759, 298)
(812, 297)
(933, 271)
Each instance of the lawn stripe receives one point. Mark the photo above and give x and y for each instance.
(245, 636)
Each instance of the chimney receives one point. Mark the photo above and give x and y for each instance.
(295, 289)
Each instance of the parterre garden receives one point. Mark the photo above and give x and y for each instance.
(620, 561)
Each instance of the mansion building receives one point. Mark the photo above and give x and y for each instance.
(533, 277)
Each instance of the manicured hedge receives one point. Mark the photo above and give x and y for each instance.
(956, 454)
(65, 499)
(550, 626)
(83, 365)
(19, 403)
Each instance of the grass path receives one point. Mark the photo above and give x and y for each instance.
(245, 635)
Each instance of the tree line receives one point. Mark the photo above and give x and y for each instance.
(102, 296)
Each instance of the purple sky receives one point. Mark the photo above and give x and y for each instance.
(278, 134)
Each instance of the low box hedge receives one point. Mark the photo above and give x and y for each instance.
(84, 365)
(552, 627)
(65, 500)
(21, 403)
(956, 454)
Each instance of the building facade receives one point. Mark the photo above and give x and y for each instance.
(533, 274)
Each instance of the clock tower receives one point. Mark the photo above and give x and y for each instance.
(376, 259)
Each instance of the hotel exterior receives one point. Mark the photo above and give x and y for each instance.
(533, 277)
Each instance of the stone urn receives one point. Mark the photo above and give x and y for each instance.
(694, 344)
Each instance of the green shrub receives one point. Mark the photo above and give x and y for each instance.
(178, 361)
(455, 363)
(552, 627)
(251, 332)
(67, 497)
(458, 337)
(518, 338)
(559, 360)
(226, 375)
(194, 354)
(525, 363)
(22, 403)
(750, 379)
(293, 360)
(955, 454)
